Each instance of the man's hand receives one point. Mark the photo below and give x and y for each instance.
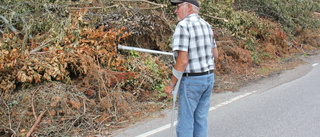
(168, 90)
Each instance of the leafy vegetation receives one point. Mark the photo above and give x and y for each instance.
(60, 58)
(290, 14)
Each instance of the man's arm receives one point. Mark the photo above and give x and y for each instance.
(215, 53)
(181, 65)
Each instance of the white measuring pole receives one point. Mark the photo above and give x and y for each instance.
(176, 73)
(144, 50)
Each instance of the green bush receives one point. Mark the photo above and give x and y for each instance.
(291, 14)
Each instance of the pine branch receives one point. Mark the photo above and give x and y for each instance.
(8, 24)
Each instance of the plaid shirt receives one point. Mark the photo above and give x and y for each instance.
(195, 35)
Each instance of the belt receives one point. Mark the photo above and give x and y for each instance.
(198, 74)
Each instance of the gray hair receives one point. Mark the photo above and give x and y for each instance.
(195, 8)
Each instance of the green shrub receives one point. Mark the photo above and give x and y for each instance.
(291, 14)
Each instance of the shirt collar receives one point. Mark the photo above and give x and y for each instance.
(193, 15)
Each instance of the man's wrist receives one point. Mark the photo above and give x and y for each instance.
(170, 83)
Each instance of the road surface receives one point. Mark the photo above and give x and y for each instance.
(286, 105)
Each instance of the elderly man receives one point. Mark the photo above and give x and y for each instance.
(194, 50)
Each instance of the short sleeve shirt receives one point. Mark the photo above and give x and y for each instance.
(195, 36)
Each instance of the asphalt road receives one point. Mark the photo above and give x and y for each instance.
(286, 105)
(289, 110)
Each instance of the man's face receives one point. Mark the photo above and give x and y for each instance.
(181, 11)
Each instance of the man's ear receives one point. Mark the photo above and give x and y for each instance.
(189, 8)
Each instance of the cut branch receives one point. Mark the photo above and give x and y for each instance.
(160, 5)
(35, 124)
(91, 8)
(40, 47)
(225, 20)
(10, 127)
(34, 114)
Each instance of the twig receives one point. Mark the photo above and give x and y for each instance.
(125, 8)
(89, 8)
(21, 116)
(90, 124)
(84, 106)
(161, 5)
(40, 47)
(49, 114)
(9, 129)
(9, 118)
(225, 20)
(152, 8)
(35, 124)
(104, 120)
(156, 7)
(141, 83)
(163, 15)
(100, 78)
(34, 114)
(224, 41)
(73, 123)
(9, 25)
(45, 52)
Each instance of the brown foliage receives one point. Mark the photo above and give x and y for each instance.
(240, 62)
(106, 88)
(88, 58)
(95, 46)
(68, 110)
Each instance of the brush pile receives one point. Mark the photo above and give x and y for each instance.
(61, 73)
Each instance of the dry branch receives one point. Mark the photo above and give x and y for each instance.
(40, 47)
(35, 124)
(8, 24)
(10, 127)
(225, 20)
(91, 8)
(224, 41)
(34, 114)
(160, 5)
(84, 106)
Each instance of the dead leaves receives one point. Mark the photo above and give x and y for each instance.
(94, 47)
(8, 65)
(41, 68)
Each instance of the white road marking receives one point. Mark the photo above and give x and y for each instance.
(157, 130)
(231, 100)
(315, 64)
(210, 109)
